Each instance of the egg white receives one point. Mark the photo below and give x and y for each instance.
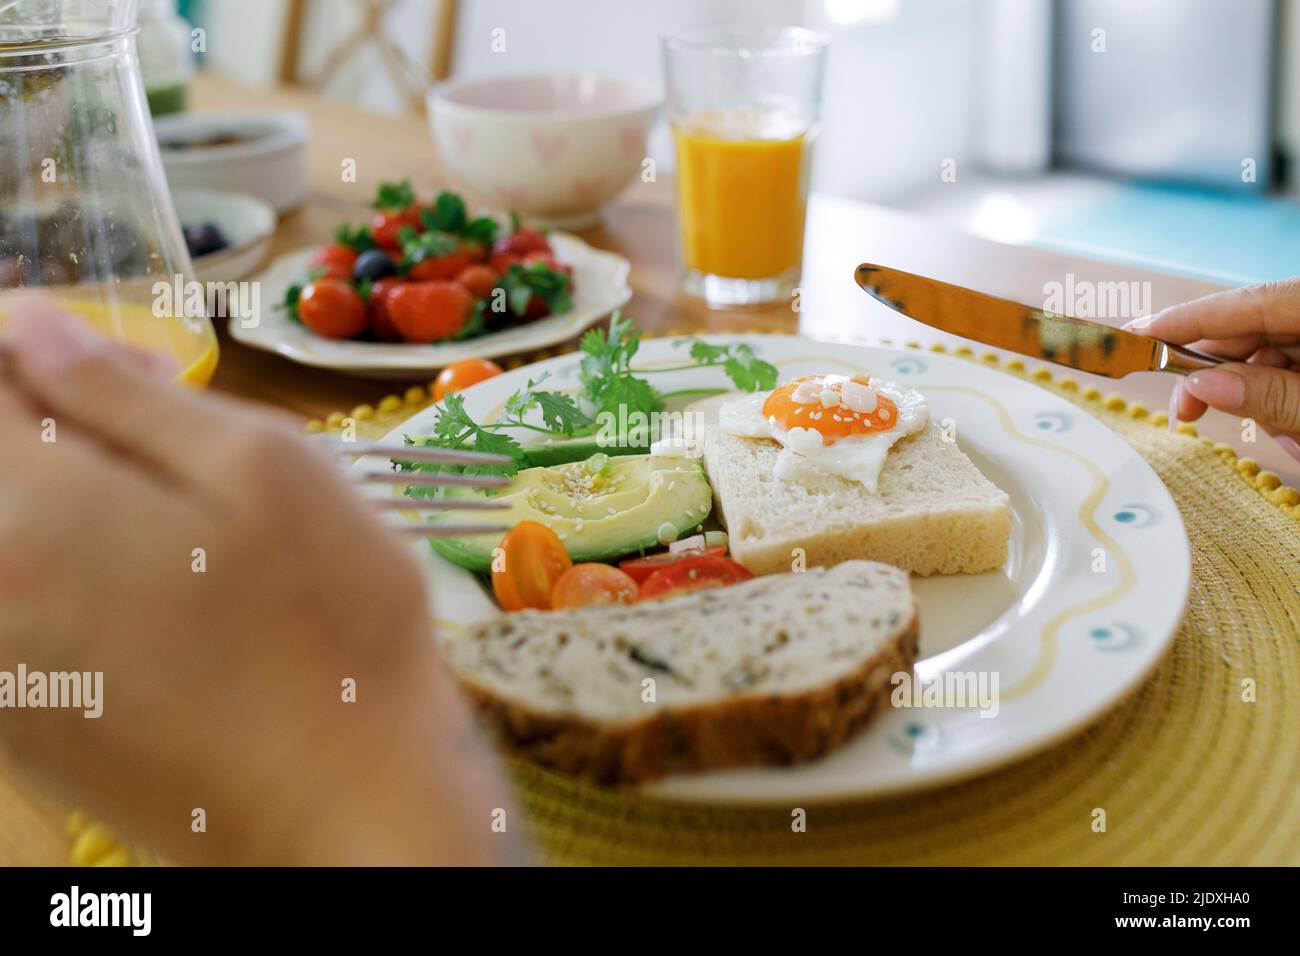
(857, 458)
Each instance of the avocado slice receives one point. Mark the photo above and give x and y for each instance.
(601, 508)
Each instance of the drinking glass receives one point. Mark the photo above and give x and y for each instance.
(743, 104)
(85, 213)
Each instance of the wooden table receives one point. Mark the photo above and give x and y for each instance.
(841, 233)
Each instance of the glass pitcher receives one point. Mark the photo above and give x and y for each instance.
(85, 214)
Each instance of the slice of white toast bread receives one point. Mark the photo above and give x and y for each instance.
(934, 512)
(774, 670)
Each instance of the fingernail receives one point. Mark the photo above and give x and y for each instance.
(1218, 387)
(1288, 444)
(1173, 406)
(1140, 323)
(46, 339)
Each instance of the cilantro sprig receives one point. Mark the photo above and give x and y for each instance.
(522, 282)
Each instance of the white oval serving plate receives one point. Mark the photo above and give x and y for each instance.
(1094, 588)
(600, 287)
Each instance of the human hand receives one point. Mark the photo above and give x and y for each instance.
(222, 687)
(1258, 329)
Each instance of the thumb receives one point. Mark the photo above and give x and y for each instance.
(1269, 395)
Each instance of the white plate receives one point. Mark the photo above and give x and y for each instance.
(1093, 591)
(600, 287)
(247, 222)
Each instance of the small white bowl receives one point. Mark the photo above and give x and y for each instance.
(552, 147)
(248, 224)
(261, 153)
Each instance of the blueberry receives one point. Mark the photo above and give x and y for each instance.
(374, 264)
(204, 238)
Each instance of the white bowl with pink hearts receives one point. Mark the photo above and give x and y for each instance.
(553, 147)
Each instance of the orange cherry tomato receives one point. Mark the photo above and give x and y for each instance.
(534, 558)
(461, 375)
(585, 584)
(693, 574)
(641, 568)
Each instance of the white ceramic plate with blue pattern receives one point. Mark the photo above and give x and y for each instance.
(1094, 587)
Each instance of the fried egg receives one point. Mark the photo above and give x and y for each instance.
(836, 424)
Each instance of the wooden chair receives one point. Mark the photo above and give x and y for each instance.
(372, 32)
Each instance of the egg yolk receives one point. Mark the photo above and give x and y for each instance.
(834, 421)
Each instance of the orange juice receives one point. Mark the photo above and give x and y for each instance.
(189, 341)
(742, 188)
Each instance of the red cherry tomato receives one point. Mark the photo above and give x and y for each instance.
(642, 568)
(693, 574)
(461, 375)
(332, 308)
(585, 584)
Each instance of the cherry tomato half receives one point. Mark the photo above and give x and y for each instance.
(585, 584)
(642, 568)
(693, 574)
(461, 375)
(533, 559)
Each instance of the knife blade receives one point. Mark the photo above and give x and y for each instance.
(1064, 340)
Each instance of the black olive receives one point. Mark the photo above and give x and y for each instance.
(373, 264)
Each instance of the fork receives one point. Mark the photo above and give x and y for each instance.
(435, 456)
(387, 476)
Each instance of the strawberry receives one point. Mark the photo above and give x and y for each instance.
(549, 259)
(480, 280)
(429, 311)
(501, 262)
(446, 266)
(521, 243)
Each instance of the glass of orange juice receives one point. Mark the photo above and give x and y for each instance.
(743, 105)
(85, 213)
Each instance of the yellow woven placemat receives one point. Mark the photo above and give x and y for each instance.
(1187, 770)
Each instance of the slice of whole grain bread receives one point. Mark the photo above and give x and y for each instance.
(776, 670)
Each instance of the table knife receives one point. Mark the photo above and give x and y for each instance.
(1075, 343)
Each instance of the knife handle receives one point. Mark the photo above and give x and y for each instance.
(1183, 361)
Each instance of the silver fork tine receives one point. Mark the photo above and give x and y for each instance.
(439, 530)
(418, 453)
(439, 504)
(436, 478)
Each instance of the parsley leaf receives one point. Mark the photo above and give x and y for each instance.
(747, 371)
(482, 230)
(394, 197)
(359, 238)
(605, 370)
(560, 413)
(455, 429)
(447, 213)
(522, 282)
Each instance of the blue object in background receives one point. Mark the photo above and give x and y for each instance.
(1228, 237)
